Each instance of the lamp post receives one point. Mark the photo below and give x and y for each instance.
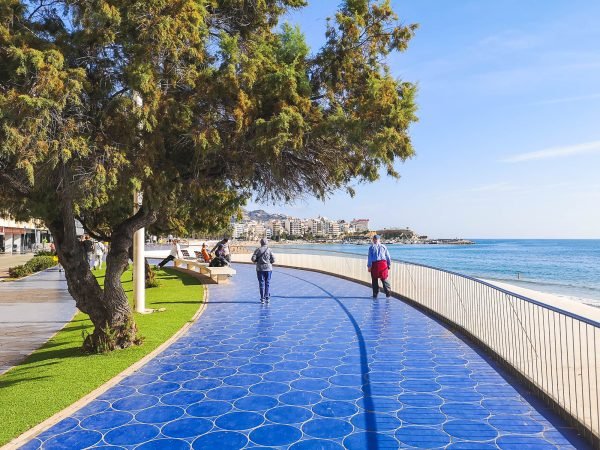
(139, 275)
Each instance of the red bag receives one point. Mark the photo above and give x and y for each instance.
(379, 269)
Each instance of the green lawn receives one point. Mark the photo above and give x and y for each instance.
(58, 374)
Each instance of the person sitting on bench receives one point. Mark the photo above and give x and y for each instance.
(204, 253)
(219, 259)
(175, 253)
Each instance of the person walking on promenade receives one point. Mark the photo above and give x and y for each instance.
(99, 250)
(175, 253)
(264, 259)
(226, 252)
(379, 263)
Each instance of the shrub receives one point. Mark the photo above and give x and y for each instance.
(38, 263)
(45, 253)
(35, 264)
(18, 272)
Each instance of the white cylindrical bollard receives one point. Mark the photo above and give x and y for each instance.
(139, 275)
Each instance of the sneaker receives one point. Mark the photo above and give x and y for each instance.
(267, 299)
(262, 300)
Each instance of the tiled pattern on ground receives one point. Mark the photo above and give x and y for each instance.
(322, 367)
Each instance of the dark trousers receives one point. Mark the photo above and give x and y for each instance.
(166, 260)
(264, 283)
(375, 285)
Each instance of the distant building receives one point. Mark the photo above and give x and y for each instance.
(360, 225)
(19, 237)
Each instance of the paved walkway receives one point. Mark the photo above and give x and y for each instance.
(323, 367)
(31, 311)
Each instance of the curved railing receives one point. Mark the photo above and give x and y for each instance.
(554, 350)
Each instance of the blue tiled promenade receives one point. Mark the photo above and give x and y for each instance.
(322, 367)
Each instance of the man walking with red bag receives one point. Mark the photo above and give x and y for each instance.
(379, 264)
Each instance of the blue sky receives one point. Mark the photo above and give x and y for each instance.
(508, 141)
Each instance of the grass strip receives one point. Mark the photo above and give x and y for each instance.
(58, 374)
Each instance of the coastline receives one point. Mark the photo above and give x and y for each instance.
(575, 305)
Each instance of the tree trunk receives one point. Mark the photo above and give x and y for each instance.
(108, 309)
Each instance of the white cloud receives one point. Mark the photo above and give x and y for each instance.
(556, 152)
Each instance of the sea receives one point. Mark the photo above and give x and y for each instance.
(566, 267)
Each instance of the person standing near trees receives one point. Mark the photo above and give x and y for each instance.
(264, 259)
(379, 263)
(88, 249)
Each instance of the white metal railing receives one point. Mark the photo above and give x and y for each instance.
(553, 349)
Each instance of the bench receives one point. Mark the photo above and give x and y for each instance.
(190, 264)
(217, 274)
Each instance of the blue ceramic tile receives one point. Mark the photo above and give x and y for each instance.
(179, 376)
(470, 430)
(162, 444)
(255, 403)
(131, 434)
(270, 388)
(317, 372)
(227, 393)
(187, 428)
(159, 388)
(516, 424)
(242, 380)
(256, 368)
(327, 428)
(113, 394)
(342, 393)
(182, 398)
(334, 409)
(281, 376)
(239, 421)
(202, 384)
(275, 435)
(465, 410)
(222, 440)
(370, 421)
(316, 444)
(217, 372)
(288, 414)
(135, 402)
(420, 400)
(209, 408)
(159, 414)
(73, 439)
(370, 440)
(98, 406)
(523, 443)
(421, 416)
(310, 384)
(106, 420)
(422, 437)
(247, 375)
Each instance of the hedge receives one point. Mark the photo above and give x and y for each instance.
(35, 264)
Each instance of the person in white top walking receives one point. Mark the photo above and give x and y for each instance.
(99, 250)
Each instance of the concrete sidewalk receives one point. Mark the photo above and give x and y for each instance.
(31, 311)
